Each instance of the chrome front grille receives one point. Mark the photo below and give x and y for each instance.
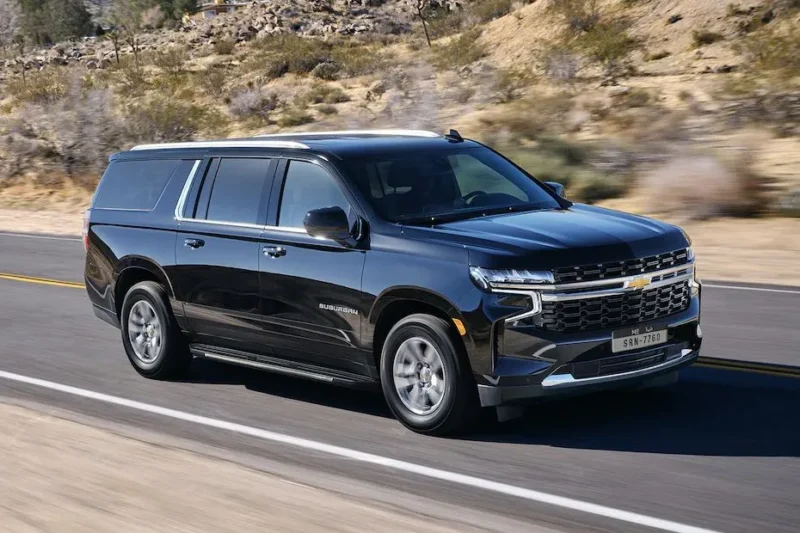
(620, 269)
(617, 310)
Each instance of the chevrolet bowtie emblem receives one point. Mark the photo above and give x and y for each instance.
(638, 284)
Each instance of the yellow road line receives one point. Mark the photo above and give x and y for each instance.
(42, 281)
(779, 373)
(706, 362)
(747, 366)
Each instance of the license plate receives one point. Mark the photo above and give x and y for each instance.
(637, 338)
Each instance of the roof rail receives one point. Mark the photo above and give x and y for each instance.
(342, 133)
(221, 144)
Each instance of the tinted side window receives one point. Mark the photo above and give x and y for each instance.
(238, 190)
(134, 184)
(307, 186)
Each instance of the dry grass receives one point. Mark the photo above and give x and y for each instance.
(703, 186)
(459, 51)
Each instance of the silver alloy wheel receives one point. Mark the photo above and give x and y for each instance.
(144, 332)
(419, 376)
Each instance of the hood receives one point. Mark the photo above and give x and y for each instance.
(579, 235)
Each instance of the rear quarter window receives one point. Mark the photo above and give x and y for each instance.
(135, 185)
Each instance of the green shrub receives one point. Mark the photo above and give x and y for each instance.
(324, 94)
(162, 119)
(326, 71)
(545, 167)
(655, 56)
(172, 61)
(224, 47)
(488, 10)
(569, 152)
(567, 163)
(773, 52)
(357, 59)
(531, 117)
(705, 37)
(131, 76)
(294, 117)
(44, 87)
(459, 51)
(289, 53)
(579, 15)
(299, 54)
(637, 98)
(327, 109)
(509, 84)
(591, 187)
(212, 81)
(607, 43)
(444, 22)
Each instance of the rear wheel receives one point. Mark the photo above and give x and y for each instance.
(426, 378)
(152, 339)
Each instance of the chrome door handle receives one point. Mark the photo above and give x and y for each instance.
(274, 251)
(194, 243)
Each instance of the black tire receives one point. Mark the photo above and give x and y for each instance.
(459, 406)
(173, 357)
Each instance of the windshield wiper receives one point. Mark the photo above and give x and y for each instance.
(430, 220)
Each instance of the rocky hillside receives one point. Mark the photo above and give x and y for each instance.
(623, 100)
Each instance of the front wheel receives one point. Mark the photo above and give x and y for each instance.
(426, 378)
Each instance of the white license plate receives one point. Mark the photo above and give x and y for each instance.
(639, 340)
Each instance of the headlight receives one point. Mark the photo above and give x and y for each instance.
(489, 279)
(690, 254)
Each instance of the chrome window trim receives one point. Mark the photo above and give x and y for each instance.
(287, 229)
(568, 380)
(181, 205)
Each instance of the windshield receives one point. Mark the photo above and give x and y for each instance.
(439, 185)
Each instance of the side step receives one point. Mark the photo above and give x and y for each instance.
(283, 366)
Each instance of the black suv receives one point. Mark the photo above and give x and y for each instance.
(427, 264)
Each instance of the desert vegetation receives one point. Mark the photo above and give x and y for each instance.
(613, 98)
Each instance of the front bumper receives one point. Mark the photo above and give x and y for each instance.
(565, 384)
(530, 363)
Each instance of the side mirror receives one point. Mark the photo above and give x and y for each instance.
(557, 188)
(329, 223)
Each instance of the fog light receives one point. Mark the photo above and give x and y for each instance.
(699, 332)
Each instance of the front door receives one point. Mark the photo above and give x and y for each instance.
(311, 296)
(217, 252)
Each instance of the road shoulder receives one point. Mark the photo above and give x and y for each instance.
(72, 473)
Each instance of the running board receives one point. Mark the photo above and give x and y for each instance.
(281, 366)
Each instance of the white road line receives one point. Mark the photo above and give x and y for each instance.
(32, 236)
(757, 289)
(347, 453)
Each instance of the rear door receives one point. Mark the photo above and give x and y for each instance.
(311, 295)
(217, 251)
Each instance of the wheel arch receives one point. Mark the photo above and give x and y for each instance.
(133, 270)
(394, 304)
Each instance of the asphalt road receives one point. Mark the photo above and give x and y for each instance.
(721, 450)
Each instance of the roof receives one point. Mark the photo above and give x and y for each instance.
(338, 143)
